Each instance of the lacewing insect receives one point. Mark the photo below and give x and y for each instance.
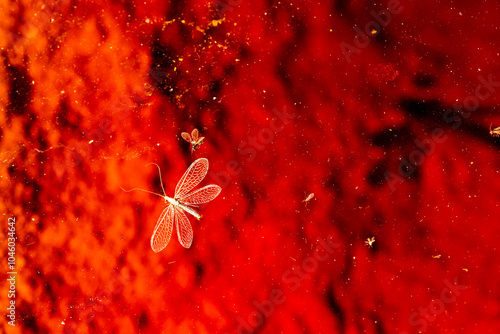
(183, 201)
(193, 139)
(495, 132)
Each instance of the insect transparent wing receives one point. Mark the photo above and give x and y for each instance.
(200, 140)
(163, 229)
(192, 177)
(194, 135)
(184, 229)
(202, 195)
(186, 136)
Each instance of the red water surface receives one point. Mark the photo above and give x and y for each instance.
(382, 110)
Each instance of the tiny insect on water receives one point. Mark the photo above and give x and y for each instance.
(308, 198)
(193, 139)
(183, 200)
(495, 132)
(370, 241)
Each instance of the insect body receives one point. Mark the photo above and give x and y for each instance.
(495, 132)
(193, 139)
(370, 241)
(183, 201)
(308, 198)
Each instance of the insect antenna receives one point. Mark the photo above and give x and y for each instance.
(147, 191)
(159, 173)
(141, 190)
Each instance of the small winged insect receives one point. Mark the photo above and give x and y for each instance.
(308, 198)
(495, 132)
(184, 200)
(370, 241)
(193, 139)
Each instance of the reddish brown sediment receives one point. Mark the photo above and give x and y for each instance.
(92, 92)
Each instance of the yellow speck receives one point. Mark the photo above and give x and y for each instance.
(215, 23)
(90, 142)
